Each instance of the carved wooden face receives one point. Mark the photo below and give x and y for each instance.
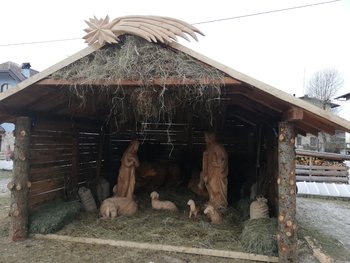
(134, 145)
(209, 137)
(190, 202)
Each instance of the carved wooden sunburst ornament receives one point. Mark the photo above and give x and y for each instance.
(151, 28)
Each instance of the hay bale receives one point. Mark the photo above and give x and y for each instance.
(259, 236)
(53, 216)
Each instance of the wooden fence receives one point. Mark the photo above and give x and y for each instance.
(322, 173)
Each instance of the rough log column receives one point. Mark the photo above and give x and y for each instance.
(19, 185)
(287, 225)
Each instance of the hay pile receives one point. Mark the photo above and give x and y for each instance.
(136, 59)
(163, 227)
(259, 236)
(53, 216)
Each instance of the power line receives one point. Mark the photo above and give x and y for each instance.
(265, 12)
(40, 42)
(198, 23)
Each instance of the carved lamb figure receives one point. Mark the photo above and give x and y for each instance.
(108, 209)
(194, 211)
(214, 216)
(161, 205)
(117, 206)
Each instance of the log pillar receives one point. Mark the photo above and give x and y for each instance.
(19, 185)
(287, 224)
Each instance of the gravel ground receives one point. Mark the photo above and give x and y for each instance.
(3, 185)
(331, 217)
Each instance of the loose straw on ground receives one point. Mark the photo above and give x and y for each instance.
(148, 246)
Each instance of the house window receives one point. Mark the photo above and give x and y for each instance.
(298, 140)
(313, 141)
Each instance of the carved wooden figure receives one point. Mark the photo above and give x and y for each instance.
(213, 214)
(117, 206)
(194, 211)
(126, 178)
(215, 171)
(151, 28)
(161, 205)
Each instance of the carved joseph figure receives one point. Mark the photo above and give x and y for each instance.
(215, 171)
(126, 177)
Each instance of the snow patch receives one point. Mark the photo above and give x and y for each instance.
(6, 165)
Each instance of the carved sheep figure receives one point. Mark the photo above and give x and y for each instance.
(161, 205)
(194, 211)
(214, 215)
(117, 206)
(108, 209)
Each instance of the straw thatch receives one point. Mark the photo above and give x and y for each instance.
(136, 59)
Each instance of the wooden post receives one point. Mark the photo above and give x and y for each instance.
(20, 184)
(287, 224)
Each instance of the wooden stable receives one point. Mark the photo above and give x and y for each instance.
(61, 146)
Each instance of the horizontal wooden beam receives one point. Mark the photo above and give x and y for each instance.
(320, 167)
(124, 82)
(158, 247)
(293, 114)
(325, 155)
(301, 178)
(250, 104)
(241, 118)
(319, 172)
(257, 98)
(307, 129)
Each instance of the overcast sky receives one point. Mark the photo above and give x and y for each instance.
(279, 48)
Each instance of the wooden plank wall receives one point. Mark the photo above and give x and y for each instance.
(61, 153)
(178, 142)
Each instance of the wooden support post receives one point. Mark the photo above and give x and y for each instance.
(19, 190)
(287, 224)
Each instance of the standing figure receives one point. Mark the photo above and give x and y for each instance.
(215, 171)
(126, 178)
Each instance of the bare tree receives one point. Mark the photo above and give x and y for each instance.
(324, 84)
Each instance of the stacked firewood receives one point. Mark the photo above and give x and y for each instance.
(307, 160)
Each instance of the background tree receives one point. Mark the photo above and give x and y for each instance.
(324, 84)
